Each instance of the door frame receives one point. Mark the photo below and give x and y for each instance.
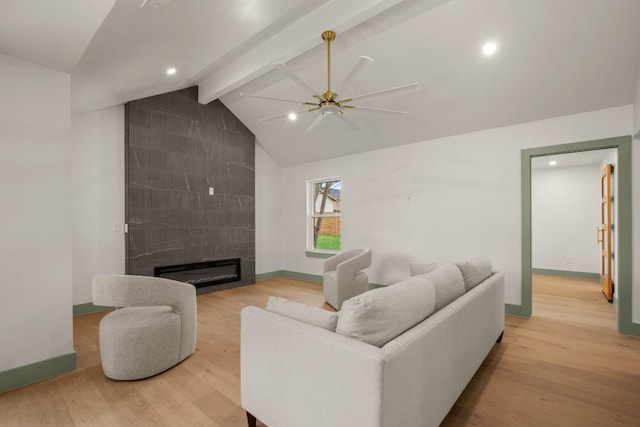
(623, 225)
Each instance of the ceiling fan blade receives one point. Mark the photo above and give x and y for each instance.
(353, 125)
(280, 116)
(362, 62)
(376, 110)
(270, 98)
(316, 122)
(293, 76)
(394, 90)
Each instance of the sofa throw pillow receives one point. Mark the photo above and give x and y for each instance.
(312, 315)
(448, 283)
(474, 270)
(379, 315)
(417, 268)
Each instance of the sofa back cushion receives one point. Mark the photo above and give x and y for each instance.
(312, 315)
(416, 268)
(379, 315)
(448, 283)
(474, 270)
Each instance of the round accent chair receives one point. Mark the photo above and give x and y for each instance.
(342, 278)
(154, 330)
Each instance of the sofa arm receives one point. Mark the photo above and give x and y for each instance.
(428, 367)
(295, 374)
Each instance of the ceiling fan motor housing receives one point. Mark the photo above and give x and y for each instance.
(328, 36)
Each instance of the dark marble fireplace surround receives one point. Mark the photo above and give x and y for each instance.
(176, 149)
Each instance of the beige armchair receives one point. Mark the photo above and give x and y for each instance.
(342, 278)
(155, 329)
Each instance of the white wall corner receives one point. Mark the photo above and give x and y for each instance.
(97, 197)
(269, 228)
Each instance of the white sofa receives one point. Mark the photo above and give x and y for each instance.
(297, 374)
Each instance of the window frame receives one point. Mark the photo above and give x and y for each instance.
(311, 251)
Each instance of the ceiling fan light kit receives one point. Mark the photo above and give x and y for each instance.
(328, 103)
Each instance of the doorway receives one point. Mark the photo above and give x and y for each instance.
(623, 145)
(566, 207)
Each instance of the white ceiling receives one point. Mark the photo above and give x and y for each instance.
(50, 33)
(554, 58)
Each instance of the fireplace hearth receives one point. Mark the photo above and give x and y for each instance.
(202, 274)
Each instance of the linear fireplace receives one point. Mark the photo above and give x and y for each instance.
(202, 274)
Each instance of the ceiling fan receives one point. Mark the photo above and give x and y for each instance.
(328, 103)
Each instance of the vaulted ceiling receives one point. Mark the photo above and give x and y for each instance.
(554, 58)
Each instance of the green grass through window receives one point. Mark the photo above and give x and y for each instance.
(328, 242)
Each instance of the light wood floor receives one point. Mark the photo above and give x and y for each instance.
(566, 366)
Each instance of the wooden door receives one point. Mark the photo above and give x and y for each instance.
(604, 233)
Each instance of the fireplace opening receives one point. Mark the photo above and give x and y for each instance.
(201, 274)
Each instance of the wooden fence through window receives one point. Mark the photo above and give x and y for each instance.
(331, 226)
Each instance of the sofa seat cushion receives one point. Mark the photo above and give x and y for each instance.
(379, 315)
(448, 284)
(474, 270)
(312, 315)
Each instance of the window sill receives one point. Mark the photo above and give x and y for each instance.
(319, 253)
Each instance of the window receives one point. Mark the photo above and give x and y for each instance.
(324, 214)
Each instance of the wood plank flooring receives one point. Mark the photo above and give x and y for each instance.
(566, 366)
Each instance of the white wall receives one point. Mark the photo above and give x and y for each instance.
(269, 228)
(439, 200)
(35, 247)
(565, 211)
(97, 197)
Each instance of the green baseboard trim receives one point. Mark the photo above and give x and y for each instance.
(515, 310)
(88, 308)
(270, 275)
(38, 371)
(565, 273)
(302, 276)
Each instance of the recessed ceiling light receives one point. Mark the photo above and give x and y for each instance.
(553, 162)
(171, 71)
(489, 48)
(292, 116)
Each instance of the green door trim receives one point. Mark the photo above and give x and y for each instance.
(624, 199)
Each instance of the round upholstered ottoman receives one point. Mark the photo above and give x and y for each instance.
(138, 342)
